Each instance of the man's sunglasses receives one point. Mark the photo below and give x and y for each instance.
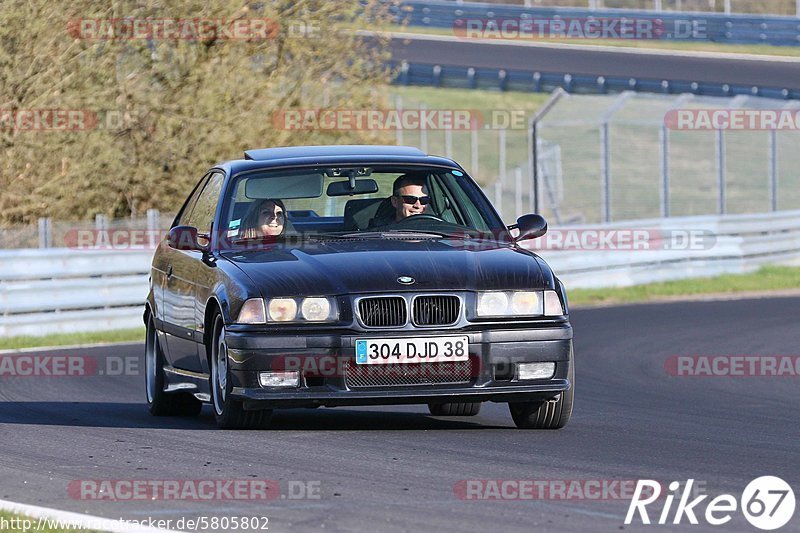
(411, 199)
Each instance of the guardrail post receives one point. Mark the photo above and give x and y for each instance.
(404, 74)
(773, 170)
(437, 75)
(153, 227)
(473, 79)
(501, 79)
(45, 232)
(721, 171)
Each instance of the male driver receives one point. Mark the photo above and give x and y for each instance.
(409, 196)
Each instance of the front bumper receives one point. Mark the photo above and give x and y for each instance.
(325, 357)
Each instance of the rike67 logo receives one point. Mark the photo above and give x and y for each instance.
(767, 502)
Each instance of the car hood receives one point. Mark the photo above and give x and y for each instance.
(374, 265)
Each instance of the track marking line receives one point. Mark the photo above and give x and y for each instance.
(69, 518)
(71, 347)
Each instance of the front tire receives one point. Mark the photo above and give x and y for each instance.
(455, 408)
(161, 403)
(229, 413)
(550, 414)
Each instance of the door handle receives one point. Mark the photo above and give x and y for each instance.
(169, 271)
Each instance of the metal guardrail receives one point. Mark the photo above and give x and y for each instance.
(62, 290)
(704, 27)
(539, 81)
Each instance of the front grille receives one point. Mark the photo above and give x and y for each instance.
(436, 310)
(362, 376)
(383, 312)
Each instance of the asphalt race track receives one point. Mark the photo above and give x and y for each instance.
(395, 468)
(608, 62)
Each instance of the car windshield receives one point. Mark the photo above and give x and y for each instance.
(377, 202)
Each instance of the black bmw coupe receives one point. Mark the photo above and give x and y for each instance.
(353, 275)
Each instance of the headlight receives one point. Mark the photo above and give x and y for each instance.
(312, 309)
(315, 309)
(252, 312)
(492, 304)
(527, 303)
(282, 309)
(510, 304)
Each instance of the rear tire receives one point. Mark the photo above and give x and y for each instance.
(229, 413)
(161, 403)
(455, 408)
(550, 414)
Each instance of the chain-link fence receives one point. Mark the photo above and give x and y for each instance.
(634, 156)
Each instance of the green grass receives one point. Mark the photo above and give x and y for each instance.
(768, 278)
(34, 523)
(68, 339)
(678, 46)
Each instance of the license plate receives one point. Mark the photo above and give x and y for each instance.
(419, 350)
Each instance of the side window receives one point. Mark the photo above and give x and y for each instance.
(202, 213)
(183, 214)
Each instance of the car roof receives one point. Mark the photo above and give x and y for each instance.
(334, 155)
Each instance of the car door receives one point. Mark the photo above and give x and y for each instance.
(179, 291)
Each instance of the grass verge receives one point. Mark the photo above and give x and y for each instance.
(71, 339)
(768, 278)
(16, 522)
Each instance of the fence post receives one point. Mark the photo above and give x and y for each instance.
(398, 105)
(153, 227)
(727, 7)
(518, 186)
(448, 142)
(101, 226)
(721, 171)
(605, 172)
(474, 160)
(657, 5)
(45, 232)
(423, 133)
(773, 170)
(664, 140)
(501, 151)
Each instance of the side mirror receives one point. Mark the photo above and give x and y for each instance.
(185, 238)
(530, 227)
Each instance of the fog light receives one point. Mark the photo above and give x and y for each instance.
(279, 379)
(536, 370)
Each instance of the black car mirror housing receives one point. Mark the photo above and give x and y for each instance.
(185, 238)
(530, 227)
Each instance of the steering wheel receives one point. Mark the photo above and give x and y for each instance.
(423, 216)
